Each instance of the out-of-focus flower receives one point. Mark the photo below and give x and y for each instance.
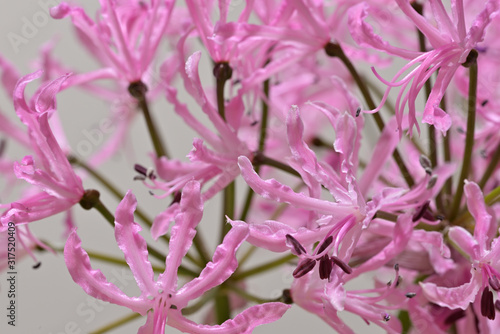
(125, 37)
(49, 168)
(162, 300)
(451, 45)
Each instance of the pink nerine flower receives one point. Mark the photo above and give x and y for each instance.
(49, 168)
(125, 37)
(162, 300)
(451, 45)
(483, 251)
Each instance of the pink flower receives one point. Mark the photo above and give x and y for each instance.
(125, 37)
(451, 45)
(162, 300)
(483, 251)
(49, 168)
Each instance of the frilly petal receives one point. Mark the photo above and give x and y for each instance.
(222, 266)
(92, 281)
(133, 245)
(243, 323)
(455, 297)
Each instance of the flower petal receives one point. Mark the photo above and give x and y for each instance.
(93, 282)
(133, 246)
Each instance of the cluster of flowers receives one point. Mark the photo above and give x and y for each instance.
(377, 206)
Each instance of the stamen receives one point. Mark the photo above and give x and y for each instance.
(410, 295)
(426, 164)
(497, 304)
(485, 102)
(487, 305)
(297, 247)
(344, 266)
(328, 241)
(432, 182)
(420, 213)
(386, 316)
(177, 198)
(358, 111)
(325, 267)
(173, 307)
(494, 283)
(37, 265)
(141, 169)
(454, 316)
(305, 266)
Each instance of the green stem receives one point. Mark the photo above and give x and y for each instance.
(260, 159)
(138, 90)
(386, 215)
(119, 195)
(431, 130)
(99, 206)
(222, 306)
(246, 256)
(261, 147)
(491, 167)
(117, 323)
(335, 50)
(109, 186)
(248, 296)
(469, 139)
(200, 303)
(228, 209)
(263, 267)
(223, 72)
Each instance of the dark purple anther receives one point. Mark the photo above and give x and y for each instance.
(358, 111)
(386, 316)
(344, 266)
(487, 305)
(141, 169)
(328, 241)
(297, 247)
(420, 212)
(305, 266)
(325, 267)
(494, 283)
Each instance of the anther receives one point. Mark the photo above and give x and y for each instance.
(386, 317)
(410, 295)
(432, 181)
(420, 212)
(173, 307)
(485, 102)
(177, 198)
(295, 244)
(426, 164)
(37, 265)
(358, 111)
(344, 266)
(325, 267)
(304, 267)
(328, 241)
(487, 304)
(494, 283)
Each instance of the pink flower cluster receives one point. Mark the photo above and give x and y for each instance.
(286, 116)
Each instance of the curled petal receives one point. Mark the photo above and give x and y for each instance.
(92, 281)
(133, 246)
